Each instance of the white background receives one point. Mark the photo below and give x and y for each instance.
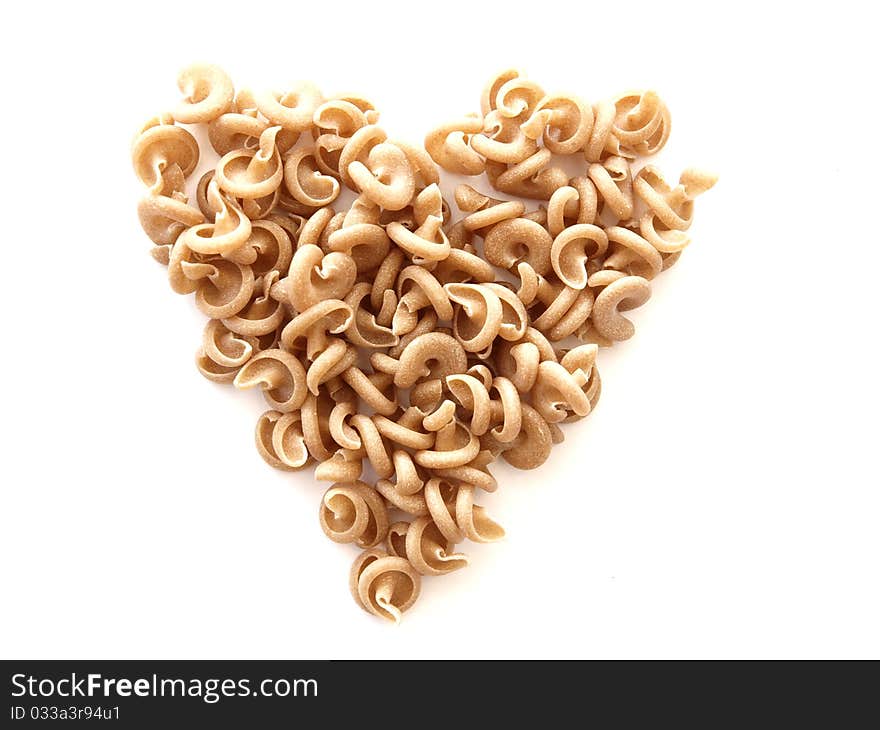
(722, 501)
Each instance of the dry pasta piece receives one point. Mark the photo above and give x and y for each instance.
(641, 123)
(571, 250)
(386, 178)
(279, 439)
(159, 146)
(293, 110)
(428, 551)
(354, 512)
(207, 93)
(448, 145)
(513, 241)
(384, 585)
(621, 295)
(562, 122)
(281, 377)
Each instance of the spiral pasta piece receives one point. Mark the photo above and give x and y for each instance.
(448, 145)
(354, 512)
(621, 295)
(281, 377)
(384, 585)
(279, 439)
(428, 551)
(207, 92)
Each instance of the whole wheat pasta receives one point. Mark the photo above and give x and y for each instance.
(207, 92)
(354, 512)
(384, 585)
(279, 439)
(448, 145)
(395, 350)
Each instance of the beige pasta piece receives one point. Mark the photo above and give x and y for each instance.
(207, 93)
(472, 518)
(159, 146)
(531, 178)
(513, 241)
(354, 512)
(251, 173)
(386, 178)
(230, 230)
(562, 122)
(305, 181)
(503, 140)
(571, 250)
(448, 145)
(427, 550)
(621, 295)
(279, 439)
(293, 110)
(478, 316)
(642, 122)
(315, 276)
(431, 355)
(384, 585)
(281, 377)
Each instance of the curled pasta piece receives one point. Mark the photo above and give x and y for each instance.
(261, 315)
(613, 181)
(530, 178)
(601, 136)
(354, 512)
(489, 95)
(669, 210)
(158, 147)
(517, 98)
(366, 243)
(642, 122)
(557, 391)
(475, 473)
(223, 288)
(455, 445)
(474, 398)
(251, 173)
(270, 248)
(370, 390)
(336, 357)
(563, 123)
(428, 550)
(207, 92)
(222, 353)
(413, 504)
(164, 217)
(387, 178)
(403, 431)
(384, 585)
(315, 276)
(230, 230)
(364, 330)
(566, 311)
(440, 497)
(503, 140)
(569, 253)
(513, 241)
(305, 181)
(416, 289)
(643, 260)
(292, 110)
(431, 355)
(507, 410)
(331, 316)
(281, 377)
(478, 316)
(448, 145)
(472, 518)
(518, 362)
(342, 466)
(514, 318)
(531, 447)
(621, 295)
(316, 411)
(279, 440)
(408, 481)
(428, 242)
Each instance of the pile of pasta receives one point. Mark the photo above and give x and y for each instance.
(400, 348)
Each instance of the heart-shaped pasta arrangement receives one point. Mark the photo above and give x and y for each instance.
(388, 337)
